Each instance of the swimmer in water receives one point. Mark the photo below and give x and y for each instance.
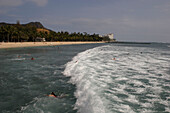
(32, 58)
(52, 95)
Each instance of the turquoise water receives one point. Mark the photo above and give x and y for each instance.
(96, 78)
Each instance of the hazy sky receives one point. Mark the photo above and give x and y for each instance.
(129, 20)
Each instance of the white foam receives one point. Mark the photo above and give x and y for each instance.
(124, 108)
(100, 79)
(147, 105)
(41, 105)
(18, 59)
(168, 45)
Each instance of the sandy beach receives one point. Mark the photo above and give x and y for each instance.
(33, 44)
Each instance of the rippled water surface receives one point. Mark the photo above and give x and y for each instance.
(96, 78)
(122, 79)
(25, 83)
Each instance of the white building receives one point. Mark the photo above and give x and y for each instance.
(111, 36)
(39, 39)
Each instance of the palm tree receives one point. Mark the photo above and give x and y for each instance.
(3, 32)
(9, 30)
(16, 35)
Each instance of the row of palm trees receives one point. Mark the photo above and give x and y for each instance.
(18, 33)
(11, 33)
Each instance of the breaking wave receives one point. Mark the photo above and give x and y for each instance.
(121, 79)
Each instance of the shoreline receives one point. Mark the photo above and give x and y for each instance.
(5, 45)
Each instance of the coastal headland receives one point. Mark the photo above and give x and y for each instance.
(35, 34)
(34, 44)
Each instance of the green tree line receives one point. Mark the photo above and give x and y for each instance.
(28, 33)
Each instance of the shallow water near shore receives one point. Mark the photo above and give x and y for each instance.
(96, 78)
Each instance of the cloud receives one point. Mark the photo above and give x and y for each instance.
(15, 3)
(9, 3)
(163, 7)
(40, 2)
(4, 11)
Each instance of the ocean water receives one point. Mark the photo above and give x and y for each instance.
(25, 83)
(95, 78)
(122, 78)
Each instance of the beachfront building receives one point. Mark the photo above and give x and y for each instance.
(110, 36)
(39, 39)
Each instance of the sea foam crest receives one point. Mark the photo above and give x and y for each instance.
(120, 79)
(82, 71)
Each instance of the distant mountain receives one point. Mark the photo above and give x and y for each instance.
(34, 24)
(30, 31)
(4, 24)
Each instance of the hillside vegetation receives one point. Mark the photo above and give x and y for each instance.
(29, 32)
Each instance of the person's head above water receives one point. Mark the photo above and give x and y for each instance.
(52, 93)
